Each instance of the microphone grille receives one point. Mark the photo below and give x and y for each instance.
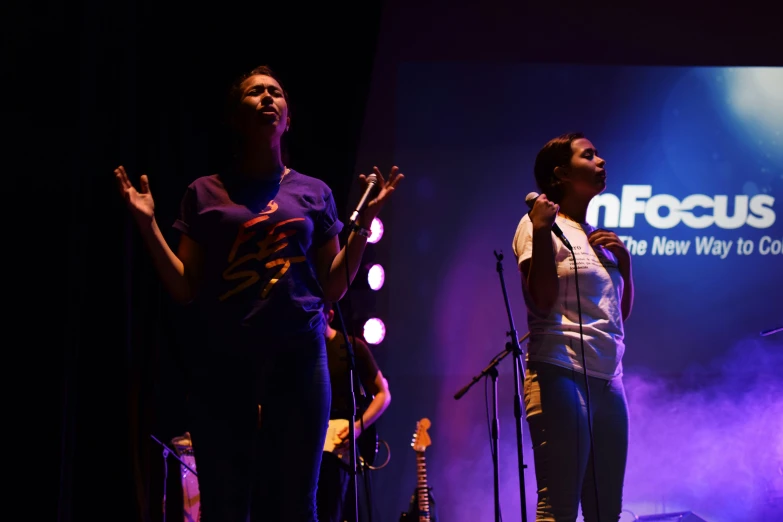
(531, 198)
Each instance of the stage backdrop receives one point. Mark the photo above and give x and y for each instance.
(695, 172)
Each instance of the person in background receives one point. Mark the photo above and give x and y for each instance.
(335, 477)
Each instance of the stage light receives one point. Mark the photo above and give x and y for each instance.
(374, 331)
(376, 231)
(755, 94)
(375, 277)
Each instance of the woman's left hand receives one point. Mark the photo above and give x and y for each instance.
(386, 187)
(610, 241)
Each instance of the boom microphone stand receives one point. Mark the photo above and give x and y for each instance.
(771, 331)
(518, 364)
(491, 370)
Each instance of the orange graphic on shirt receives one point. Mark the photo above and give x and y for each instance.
(273, 241)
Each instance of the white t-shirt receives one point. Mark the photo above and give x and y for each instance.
(555, 338)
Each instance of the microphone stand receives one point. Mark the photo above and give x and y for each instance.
(166, 453)
(369, 192)
(352, 377)
(352, 421)
(491, 371)
(765, 333)
(512, 347)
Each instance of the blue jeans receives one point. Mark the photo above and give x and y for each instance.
(261, 464)
(333, 483)
(556, 409)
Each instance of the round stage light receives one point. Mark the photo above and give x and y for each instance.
(376, 277)
(374, 331)
(376, 231)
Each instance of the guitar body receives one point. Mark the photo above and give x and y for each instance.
(366, 443)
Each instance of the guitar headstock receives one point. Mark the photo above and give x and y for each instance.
(421, 439)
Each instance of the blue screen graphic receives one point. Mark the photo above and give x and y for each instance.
(694, 187)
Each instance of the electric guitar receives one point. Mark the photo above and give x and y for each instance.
(421, 440)
(366, 443)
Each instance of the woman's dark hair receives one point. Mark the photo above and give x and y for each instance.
(556, 153)
(234, 98)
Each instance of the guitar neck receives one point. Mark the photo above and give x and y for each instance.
(422, 488)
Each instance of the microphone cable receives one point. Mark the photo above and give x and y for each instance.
(587, 385)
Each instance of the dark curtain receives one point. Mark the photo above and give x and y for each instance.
(140, 84)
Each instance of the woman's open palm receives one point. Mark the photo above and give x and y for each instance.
(140, 201)
(386, 187)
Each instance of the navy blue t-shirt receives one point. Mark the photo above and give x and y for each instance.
(259, 239)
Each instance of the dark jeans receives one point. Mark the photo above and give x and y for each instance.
(333, 483)
(555, 403)
(267, 471)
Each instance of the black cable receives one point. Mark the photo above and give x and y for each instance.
(353, 331)
(587, 387)
(489, 425)
(486, 407)
(165, 479)
(489, 422)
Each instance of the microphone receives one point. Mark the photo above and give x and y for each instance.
(372, 184)
(530, 199)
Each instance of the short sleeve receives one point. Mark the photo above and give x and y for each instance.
(188, 214)
(523, 240)
(365, 364)
(327, 224)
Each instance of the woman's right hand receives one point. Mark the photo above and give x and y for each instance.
(140, 201)
(543, 213)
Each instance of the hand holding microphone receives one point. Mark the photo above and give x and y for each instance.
(376, 192)
(543, 214)
(369, 193)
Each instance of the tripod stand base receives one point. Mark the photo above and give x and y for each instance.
(683, 516)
